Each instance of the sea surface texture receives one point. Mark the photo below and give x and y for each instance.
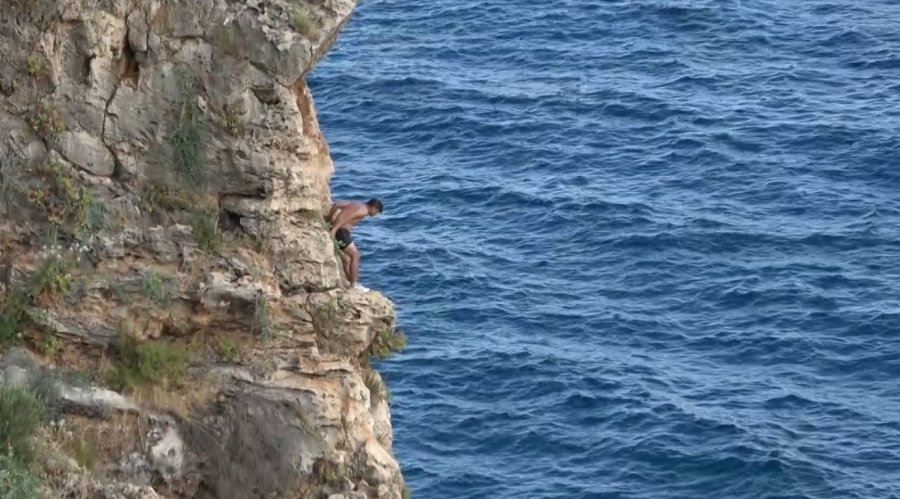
(642, 249)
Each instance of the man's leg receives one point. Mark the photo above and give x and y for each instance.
(352, 266)
(345, 263)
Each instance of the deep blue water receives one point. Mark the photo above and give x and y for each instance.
(642, 249)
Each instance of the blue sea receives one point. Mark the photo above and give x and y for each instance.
(641, 248)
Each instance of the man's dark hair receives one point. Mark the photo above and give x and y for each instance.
(376, 203)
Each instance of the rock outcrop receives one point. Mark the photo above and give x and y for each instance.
(162, 182)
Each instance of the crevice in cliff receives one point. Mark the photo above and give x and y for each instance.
(129, 68)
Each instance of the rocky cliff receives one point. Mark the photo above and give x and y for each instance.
(170, 293)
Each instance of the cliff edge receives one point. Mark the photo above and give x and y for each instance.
(169, 294)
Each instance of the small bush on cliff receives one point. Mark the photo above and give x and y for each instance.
(34, 66)
(301, 22)
(16, 478)
(20, 416)
(12, 315)
(45, 121)
(377, 388)
(262, 320)
(49, 345)
(66, 203)
(187, 141)
(205, 225)
(387, 341)
(140, 365)
(155, 288)
(228, 350)
(50, 278)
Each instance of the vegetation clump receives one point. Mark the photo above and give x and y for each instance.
(140, 365)
(66, 203)
(377, 388)
(17, 481)
(34, 66)
(20, 415)
(301, 22)
(228, 350)
(262, 320)
(387, 342)
(155, 288)
(50, 278)
(46, 121)
(187, 139)
(205, 226)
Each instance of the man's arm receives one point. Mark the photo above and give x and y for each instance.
(344, 218)
(338, 205)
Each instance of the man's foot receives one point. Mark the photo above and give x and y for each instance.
(360, 287)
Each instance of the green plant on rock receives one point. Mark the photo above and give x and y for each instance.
(142, 364)
(17, 481)
(20, 415)
(387, 341)
(324, 318)
(50, 345)
(51, 277)
(327, 472)
(66, 203)
(377, 388)
(187, 139)
(91, 214)
(262, 320)
(205, 225)
(12, 314)
(45, 120)
(228, 350)
(155, 288)
(84, 452)
(34, 66)
(10, 167)
(301, 22)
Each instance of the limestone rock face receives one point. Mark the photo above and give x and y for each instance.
(163, 177)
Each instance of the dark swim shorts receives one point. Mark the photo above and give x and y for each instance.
(344, 238)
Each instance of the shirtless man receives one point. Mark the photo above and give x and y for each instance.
(342, 217)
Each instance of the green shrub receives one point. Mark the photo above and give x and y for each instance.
(301, 22)
(262, 321)
(16, 478)
(324, 318)
(387, 341)
(407, 492)
(205, 225)
(140, 365)
(377, 388)
(228, 350)
(46, 121)
(12, 315)
(51, 277)
(187, 140)
(50, 345)
(155, 288)
(34, 66)
(92, 214)
(20, 416)
(84, 452)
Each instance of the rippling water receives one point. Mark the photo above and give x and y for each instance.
(642, 249)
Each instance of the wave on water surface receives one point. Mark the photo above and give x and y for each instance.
(642, 249)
